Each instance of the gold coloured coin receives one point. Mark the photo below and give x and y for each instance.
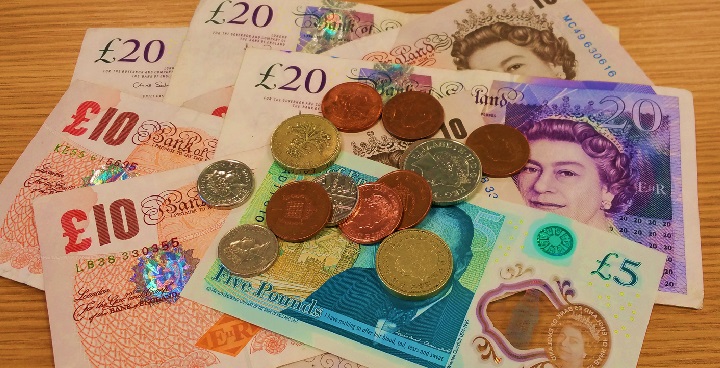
(305, 144)
(414, 264)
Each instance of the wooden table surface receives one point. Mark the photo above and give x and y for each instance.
(673, 41)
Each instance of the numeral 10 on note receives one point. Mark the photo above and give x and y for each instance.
(123, 222)
(119, 130)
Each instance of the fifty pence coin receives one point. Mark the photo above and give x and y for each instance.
(502, 149)
(225, 184)
(248, 250)
(413, 115)
(305, 144)
(352, 106)
(376, 215)
(414, 264)
(415, 192)
(298, 211)
(343, 193)
(452, 169)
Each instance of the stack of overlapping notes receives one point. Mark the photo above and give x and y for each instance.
(555, 256)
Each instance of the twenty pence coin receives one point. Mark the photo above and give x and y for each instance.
(298, 211)
(414, 264)
(343, 193)
(305, 144)
(415, 192)
(225, 184)
(352, 106)
(452, 169)
(413, 115)
(502, 149)
(248, 250)
(376, 215)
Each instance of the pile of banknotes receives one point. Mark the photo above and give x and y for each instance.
(557, 265)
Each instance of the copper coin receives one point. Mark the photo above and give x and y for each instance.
(352, 106)
(415, 193)
(502, 149)
(298, 211)
(413, 115)
(376, 215)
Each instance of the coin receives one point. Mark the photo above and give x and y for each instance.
(225, 184)
(343, 193)
(413, 115)
(352, 106)
(376, 215)
(305, 144)
(409, 149)
(298, 211)
(414, 264)
(415, 193)
(502, 149)
(452, 169)
(248, 250)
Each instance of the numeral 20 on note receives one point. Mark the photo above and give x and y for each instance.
(123, 223)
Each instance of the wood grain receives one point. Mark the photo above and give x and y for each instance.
(674, 41)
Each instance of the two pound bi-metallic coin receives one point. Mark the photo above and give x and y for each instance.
(225, 184)
(248, 250)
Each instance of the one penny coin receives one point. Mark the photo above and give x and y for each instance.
(415, 193)
(413, 115)
(376, 215)
(502, 149)
(298, 211)
(248, 250)
(414, 264)
(352, 106)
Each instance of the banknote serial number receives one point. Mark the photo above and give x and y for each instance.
(90, 264)
(596, 54)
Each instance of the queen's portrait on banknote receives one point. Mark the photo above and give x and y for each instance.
(512, 41)
(435, 321)
(575, 171)
(576, 342)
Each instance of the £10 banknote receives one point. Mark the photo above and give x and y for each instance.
(93, 136)
(116, 258)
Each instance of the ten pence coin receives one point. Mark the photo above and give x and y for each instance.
(298, 211)
(452, 169)
(305, 144)
(225, 184)
(376, 215)
(352, 106)
(413, 115)
(415, 192)
(502, 149)
(343, 193)
(248, 250)
(414, 264)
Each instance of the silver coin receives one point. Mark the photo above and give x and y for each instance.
(409, 148)
(343, 193)
(225, 184)
(248, 250)
(452, 169)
